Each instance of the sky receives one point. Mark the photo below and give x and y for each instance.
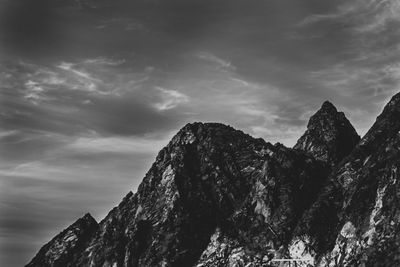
(90, 91)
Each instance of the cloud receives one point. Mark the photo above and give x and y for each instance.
(70, 98)
(87, 82)
(223, 95)
(104, 61)
(380, 14)
(122, 145)
(221, 63)
(366, 68)
(124, 23)
(5, 134)
(363, 16)
(170, 99)
(341, 13)
(83, 153)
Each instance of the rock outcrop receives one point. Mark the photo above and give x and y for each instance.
(329, 136)
(66, 246)
(218, 197)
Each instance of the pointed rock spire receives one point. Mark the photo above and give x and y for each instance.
(328, 107)
(329, 136)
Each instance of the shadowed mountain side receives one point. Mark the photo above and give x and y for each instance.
(329, 136)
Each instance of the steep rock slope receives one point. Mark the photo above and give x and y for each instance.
(195, 183)
(355, 221)
(329, 136)
(214, 197)
(63, 248)
(257, 232)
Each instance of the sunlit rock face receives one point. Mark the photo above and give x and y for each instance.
(218, 197)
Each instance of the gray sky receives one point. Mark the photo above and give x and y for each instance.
(90, 91)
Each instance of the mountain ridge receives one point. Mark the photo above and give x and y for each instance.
(216, 196)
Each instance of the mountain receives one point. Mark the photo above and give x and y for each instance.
(216, 196)
(65, 246)
(329, 136)
(355, 220)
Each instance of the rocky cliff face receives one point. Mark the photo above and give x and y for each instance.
(329, 136)
(65, 247)
(218, 197)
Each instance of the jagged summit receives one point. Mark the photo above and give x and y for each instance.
(329, 136)
(328, 107)
(215, 196)
(88, 217)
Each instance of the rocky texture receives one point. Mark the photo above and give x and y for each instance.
(329, 136)
(196, 182)
(218, 197)
(282, 187)
(355, 221)
(66, 246)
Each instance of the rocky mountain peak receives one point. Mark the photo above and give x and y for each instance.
(87, 219)
(328, 107)
(329, 136)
